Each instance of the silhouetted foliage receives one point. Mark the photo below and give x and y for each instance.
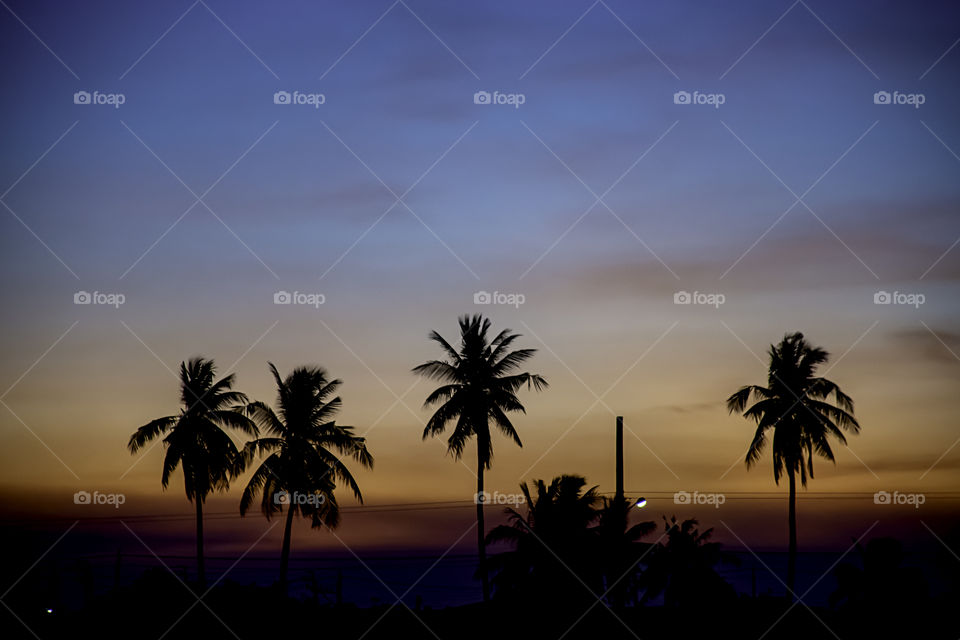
(795, 406)
(553, 543)
(682, 568)
(195, 438)
(621, 551)
(301, 468)
(480, 386)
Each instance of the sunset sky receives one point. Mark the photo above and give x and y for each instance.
(597, 199)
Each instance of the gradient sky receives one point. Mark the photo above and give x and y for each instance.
(694, 198)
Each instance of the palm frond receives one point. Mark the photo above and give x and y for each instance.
(149, 431)
(438, 370)
(450, 351)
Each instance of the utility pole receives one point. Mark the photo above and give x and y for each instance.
(619, 497)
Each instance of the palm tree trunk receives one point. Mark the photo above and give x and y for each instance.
(285, 551)
(481, 547)
(201, 571)
(792, 551)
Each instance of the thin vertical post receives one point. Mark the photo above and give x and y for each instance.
(619, 458)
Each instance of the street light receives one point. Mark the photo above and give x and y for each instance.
(640, 503)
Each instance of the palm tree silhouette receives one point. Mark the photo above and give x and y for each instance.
(480, 386)
(301, 469)
(621, 549)
(795, 405)
(195, 437)
(682, 567)
(550, 544)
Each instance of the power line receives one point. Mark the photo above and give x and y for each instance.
(463, 504)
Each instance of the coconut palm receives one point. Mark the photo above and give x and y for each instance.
(301, 442)
(682, 568)
(553, 543)
(795, 406)
(195, 437)
(621, 550)
(480, 385)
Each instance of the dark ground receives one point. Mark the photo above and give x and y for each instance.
(155, 608)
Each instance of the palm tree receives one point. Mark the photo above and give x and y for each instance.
(550, 544)
(196, 438)
(480, 385)
(795, 405)
(302, 469)
(621, 549)
(683, 567)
